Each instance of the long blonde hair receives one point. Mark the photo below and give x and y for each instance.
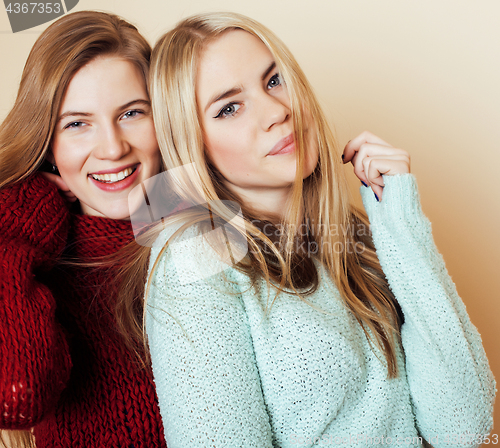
(321, 202)
(61, 50)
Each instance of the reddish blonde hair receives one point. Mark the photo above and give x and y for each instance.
(61, 50)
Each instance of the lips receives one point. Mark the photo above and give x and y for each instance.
(284, 146)
(115, 179)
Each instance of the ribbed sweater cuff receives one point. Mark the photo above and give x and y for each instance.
(36, 361)
(399, 208)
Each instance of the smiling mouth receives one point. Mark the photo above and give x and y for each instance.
(111, 178)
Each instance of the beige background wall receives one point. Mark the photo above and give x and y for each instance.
(424, 75)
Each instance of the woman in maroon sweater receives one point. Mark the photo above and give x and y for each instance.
(66, 374)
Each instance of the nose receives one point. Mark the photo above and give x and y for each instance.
(273, 110)
(112, 144)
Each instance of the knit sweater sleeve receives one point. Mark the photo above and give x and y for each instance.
(451, 385)
(34, 355)
(202, 354)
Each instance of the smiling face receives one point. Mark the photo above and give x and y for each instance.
(246, 119)
(104, 142)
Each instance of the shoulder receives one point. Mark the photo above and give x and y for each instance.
(35, 187)
(35, 206)
(187, 255)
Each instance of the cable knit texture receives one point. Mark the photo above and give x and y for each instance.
(35, 362)
(64, 369)
(228, 375)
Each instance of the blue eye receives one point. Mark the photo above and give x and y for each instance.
(275, 81)
(132, 113)
(74, 125)
(228, 110)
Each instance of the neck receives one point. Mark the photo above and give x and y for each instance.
(268, 202)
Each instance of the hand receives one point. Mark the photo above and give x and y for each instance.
(372, 157)
(61, 185)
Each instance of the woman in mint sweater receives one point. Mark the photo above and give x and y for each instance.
(307, 325)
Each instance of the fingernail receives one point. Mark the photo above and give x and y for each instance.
(364, 184)
(376, 197)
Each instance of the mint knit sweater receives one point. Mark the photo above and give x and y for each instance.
(228, 375)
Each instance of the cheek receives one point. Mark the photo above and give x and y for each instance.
(66, 157)
(227, 144)
(311, 159)
(155, 161)
(146, 133)
(314, 152)
(228, 158)
(150, 150)
(216, 152)
(231, 149)
(284, 98)
(148, 145)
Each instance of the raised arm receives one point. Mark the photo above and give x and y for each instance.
(34, 355)
(202, 354)
(451, 384)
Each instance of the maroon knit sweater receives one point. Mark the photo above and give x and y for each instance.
(63, 367)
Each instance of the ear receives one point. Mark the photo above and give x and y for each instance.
(61, 185)
(56, 179)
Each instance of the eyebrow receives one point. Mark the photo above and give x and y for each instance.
(222, 96)
(269, 70)
(86, 114)
(236, 90)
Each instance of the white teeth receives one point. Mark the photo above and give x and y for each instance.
(113, 177)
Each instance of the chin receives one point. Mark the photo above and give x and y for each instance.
(118, 215)
(120, 212)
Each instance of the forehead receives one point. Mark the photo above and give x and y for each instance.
(105, 79)
(234, 41)
(231, 58)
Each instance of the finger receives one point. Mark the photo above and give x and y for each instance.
(387, 165)
(375, 168)
(374, 178)
(355, 144)
(370, 150)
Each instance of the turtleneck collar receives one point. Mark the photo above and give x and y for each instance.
(93, 236)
